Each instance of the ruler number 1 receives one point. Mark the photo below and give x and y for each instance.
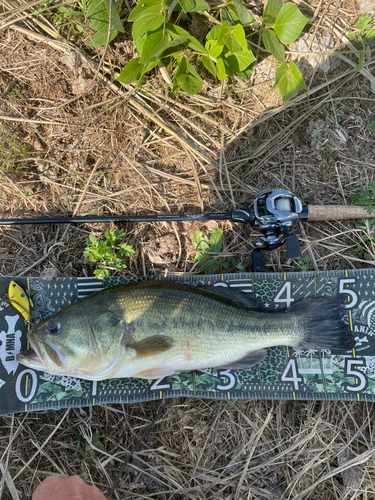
(290, 374)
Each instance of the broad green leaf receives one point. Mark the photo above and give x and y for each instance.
(101, 38)
(288, 80)
(240, 60)
(230, 14)
(224, 31)
(273, 45)
(271, 11)
(209, 65)
(148, 23)
(187, 5)
(239, 34)
(246, 73)
(147, 16)
(220, 69)
(216, 240)
(231, 43)
(132, 71)
(177, 31)
(98, 14)
(289, 23)
(244, 15)
(115, 18)
(213, 34)
(200, 240)
(211, 266)
(193, 5)
(144, 7)
(214, 48)
(155, 43)
(201, 5)
(189, 83)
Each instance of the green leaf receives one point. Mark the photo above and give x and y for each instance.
(211, 266)
(214, 48)
(216, 240)
(289, 23)
(239, 34)
(101, 38)
(132, 71)
(220, 69)
(240, 60)
(154, 45)
(243, 14)
(147, 16)
(193, 5)
(224, 31)
(201, 5)
(231, 43)
(273, 45)
(213, 34)
(209, 65)
(200, 242)
(271, 11)
(91, 240)
(98, 14)
(364, 22)
(177, 31)
(288, 80)
(126, 250)
(190, 84)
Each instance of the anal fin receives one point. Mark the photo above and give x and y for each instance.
(250, 359)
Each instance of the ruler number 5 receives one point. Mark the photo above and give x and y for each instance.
(343, 283)
(351, 370)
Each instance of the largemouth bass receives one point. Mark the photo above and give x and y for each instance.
(155, 329)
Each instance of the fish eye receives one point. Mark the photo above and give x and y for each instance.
(53, 327)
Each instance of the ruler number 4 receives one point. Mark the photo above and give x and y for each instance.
(290, 374)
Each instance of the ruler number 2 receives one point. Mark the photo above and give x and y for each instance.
(291, 374)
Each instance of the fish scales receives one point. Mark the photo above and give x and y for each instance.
(154, 329)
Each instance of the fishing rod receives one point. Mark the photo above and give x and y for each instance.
(274, 214)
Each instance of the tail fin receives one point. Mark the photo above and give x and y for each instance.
(322, 323)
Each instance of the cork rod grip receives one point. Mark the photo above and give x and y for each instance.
(338, 212)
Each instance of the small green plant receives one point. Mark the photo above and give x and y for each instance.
(368, 238)
(365, 199)
(108, 254)
(365, 36)
(207, 251)
(227, 50)
(303, 263)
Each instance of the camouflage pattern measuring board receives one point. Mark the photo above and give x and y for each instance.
(286, 373)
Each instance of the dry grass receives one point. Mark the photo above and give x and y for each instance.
(113, 150)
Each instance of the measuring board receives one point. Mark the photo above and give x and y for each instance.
(286, 373)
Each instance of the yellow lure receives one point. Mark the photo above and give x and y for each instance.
(19, 299)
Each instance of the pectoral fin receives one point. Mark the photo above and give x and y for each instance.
(151, 346)
(252, 358)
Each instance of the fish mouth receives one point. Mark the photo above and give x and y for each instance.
(31, 357)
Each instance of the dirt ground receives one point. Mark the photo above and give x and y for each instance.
(114, 150)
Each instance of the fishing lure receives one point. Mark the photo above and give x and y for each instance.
(20, 300)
